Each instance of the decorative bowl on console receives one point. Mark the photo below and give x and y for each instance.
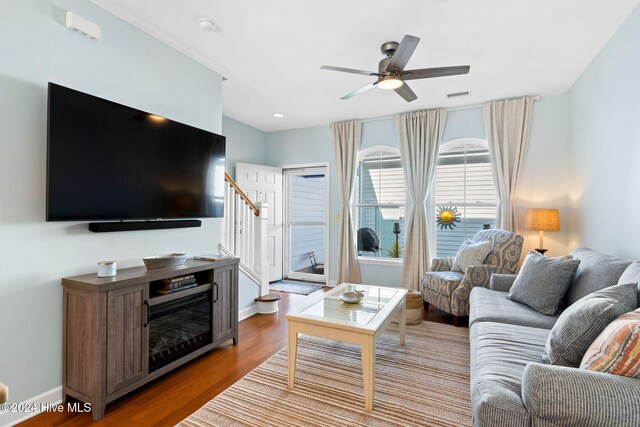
(164, 261)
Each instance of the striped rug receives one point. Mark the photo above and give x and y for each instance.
(425, 383)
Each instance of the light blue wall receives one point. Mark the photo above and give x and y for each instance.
(545, 178)
(244, 144)
(467, 123)
(604, 130)
(126, 66)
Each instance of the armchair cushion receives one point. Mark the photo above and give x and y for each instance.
(444, 282)
(542, 282)
(562, 396)
(470, 254)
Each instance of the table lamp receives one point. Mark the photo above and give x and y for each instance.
(543, 220)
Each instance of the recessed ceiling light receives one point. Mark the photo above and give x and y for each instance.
(207, 25)
(278, 115)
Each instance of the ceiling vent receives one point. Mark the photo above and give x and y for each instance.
(457, 94)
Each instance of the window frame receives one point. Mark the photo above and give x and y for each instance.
(431, 202)
(355, 205)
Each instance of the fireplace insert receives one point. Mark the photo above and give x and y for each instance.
(178, 327)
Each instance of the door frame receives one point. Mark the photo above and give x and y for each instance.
(285, 221)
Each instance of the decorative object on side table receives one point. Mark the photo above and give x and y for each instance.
(107, 268)
(352, 297)
(543, 220)
(164, 261)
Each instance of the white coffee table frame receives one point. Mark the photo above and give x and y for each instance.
(363, 334)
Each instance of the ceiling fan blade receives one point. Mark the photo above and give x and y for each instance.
(426, 73)
(348, 70)
(402, 55)
(406, 92)
(359, 91)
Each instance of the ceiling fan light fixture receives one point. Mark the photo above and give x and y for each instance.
(390, 82)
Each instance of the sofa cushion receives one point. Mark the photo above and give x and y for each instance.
(631, 275)
(582, 322)
(493, 306)
(470, 254)
(596, 271)
(499, 354)
(617, 349)
(443, 282)
(542, 282)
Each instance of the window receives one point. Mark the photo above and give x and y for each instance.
(380, 203)
(464, 181)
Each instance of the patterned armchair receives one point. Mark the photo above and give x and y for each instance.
(449, 290)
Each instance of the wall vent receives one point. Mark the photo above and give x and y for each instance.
(82, 26)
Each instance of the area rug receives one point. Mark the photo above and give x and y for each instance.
(425, 383)
(294, 287)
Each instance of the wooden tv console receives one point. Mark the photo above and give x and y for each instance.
(106, 326)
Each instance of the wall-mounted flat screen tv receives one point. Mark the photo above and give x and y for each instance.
(106, 161)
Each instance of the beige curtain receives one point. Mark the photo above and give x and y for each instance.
(346, 141)
(419, 136)
(508, 126)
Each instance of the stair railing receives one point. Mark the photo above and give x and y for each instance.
(245, 233)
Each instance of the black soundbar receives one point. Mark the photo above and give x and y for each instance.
(104, 227)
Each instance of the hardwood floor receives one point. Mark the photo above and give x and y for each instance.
(168, 400)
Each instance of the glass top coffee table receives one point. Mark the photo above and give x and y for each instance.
(359, 324)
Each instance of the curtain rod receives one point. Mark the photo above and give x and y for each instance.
(464, 107)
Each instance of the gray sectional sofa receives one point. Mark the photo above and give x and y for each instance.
(511, 386)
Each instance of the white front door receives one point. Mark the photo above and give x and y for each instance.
(264, 184)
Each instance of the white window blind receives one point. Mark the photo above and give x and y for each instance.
(464, 180)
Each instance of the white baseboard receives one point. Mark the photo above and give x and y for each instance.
(48, 398)
(245, 313)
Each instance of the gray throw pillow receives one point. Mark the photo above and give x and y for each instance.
(542, 282)
(583, 321)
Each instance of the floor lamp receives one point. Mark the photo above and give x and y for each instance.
(543, 220)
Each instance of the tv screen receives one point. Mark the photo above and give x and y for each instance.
(107, 161)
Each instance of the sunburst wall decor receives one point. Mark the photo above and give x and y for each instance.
(447, 216)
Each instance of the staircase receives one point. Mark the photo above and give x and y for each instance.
(244, 234)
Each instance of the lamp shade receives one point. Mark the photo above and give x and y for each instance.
(543, 220)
